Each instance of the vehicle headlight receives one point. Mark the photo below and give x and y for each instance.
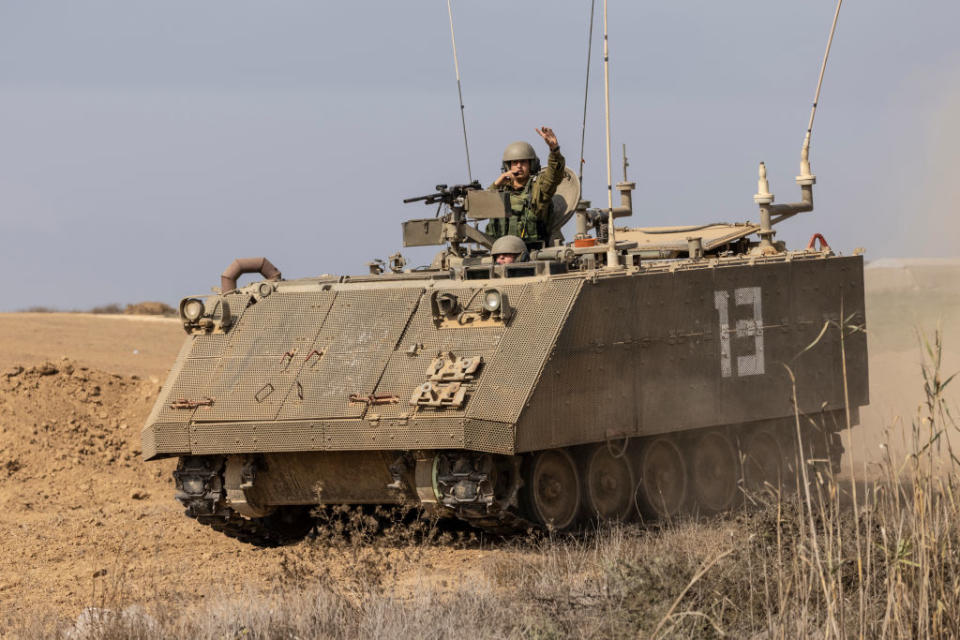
(191, 309)
(492, 300)
(448, 304)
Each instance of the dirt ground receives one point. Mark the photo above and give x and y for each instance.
(125, 344)
(81, 516)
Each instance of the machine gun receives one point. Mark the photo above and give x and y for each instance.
(463, 201)
(447, 195)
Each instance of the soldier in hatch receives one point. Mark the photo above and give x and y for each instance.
(509, 249)
(528, 191)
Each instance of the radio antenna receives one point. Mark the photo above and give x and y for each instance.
(771, 214)
(805, 151)
(613, 262)
(586, 90)
(456, 66)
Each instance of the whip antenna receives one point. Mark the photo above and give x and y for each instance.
(805, 151)
(613, 262)
(456, 66)
(586, 90)
(771, 214)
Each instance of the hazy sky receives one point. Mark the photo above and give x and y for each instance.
(145, 145)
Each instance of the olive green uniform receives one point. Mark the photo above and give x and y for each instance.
(530, 204)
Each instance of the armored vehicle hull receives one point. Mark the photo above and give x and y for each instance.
(513, 396)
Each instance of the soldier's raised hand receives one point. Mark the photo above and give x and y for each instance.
(548, 136)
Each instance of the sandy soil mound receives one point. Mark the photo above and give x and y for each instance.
(65, 412)
(85, 522)
(78, 508)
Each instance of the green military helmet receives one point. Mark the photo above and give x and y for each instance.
(521, 150)
(509, 244)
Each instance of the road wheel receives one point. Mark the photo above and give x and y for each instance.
(714, 471)
(609, 484)
(552, 489)
(662, 476)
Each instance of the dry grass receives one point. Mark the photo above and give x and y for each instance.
(139, 308)
(846, 558)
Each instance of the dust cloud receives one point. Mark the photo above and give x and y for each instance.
(907, 302)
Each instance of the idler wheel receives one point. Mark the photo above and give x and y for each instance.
(762, 462)
(662, 476)
(553, 489)
(714, 472)
(609, 483)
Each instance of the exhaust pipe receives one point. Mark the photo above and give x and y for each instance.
(240, 266)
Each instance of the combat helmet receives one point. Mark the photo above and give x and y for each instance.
(510, 244)
(521, 150)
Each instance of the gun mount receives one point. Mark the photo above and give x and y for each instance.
(464, 203)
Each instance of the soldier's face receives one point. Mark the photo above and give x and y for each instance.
(507, 258)
(521, 169)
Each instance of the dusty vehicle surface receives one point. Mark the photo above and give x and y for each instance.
(654, 375)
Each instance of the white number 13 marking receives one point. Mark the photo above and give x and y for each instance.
(748, 365)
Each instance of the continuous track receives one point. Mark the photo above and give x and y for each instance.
(673, 474)
(286, 526)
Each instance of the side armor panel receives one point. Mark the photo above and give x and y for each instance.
(671, 351)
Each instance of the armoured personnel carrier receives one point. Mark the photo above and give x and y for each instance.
(653, 374)
(634, 371)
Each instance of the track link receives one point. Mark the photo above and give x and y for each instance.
(504, 523)
(286, 526)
